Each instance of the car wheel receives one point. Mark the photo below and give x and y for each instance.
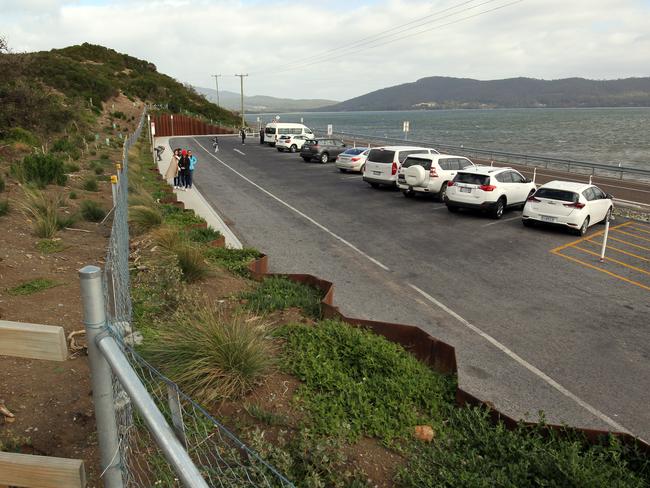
(324, 158)
(342, 170)
(363, 169)
(452, 208)
(306, 160)
(374, 185)
(583, 228)
(497, 211)
(293, 148)
(442, 194)
(279, 149)
(408, 193)
(608, 216)
(528, 222)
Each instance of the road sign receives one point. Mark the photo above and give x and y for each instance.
(406, 126)
(330, 129)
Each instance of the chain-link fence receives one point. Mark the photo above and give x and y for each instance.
(143, 460)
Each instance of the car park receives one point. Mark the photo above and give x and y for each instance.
(429, 173)
(322, 149)
(352, 159)
(383, 163)
(291, 143)
(576, 206)
(490, 189)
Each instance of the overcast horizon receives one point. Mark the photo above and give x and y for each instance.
(346, 49)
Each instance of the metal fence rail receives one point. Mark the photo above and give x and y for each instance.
(568, 165)
(150, 433)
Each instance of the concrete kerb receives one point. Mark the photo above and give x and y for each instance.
(194, 200)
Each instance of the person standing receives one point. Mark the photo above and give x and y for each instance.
(262, 135)
(183, 165)
(172, 169)
(190, 170)
(242, 134)
(215, 144)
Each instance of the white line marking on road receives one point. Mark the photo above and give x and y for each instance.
(500, 221)
(440, 207)
(236, 150)
(352, 177)
(305, 216)
(597, 413)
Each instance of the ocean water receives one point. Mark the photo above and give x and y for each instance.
(599, 135)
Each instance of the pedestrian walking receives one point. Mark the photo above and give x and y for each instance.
(215, 144)
(242, 134)
(183, 165)
(190, 170)
(172, 170)
(262, 135)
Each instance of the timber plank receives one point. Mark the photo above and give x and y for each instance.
(33, 341)
(41, 471)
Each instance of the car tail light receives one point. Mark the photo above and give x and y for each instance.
(575, 205)
(287, 140)
(355, 159)
(393, 170)
(451, 183)
(433, 173)
(487, 187)
(533, 199)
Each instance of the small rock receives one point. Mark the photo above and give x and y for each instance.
(424, 433)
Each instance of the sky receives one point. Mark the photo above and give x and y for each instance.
(341, 49)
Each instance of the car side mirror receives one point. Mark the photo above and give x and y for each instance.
(528, 180)
(344, 145)
(609, 195)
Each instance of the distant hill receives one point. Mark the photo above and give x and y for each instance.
(261, 103)
(438, 92)
(47, 90)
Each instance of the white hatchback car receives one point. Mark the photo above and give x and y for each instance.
(383, 163)
(429, 173)
(574, 205)
(352, 159)
(291, 143)
(488, 188)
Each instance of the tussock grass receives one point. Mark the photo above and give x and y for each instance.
(144, 218)
(90, 184)
(211, 356)
(50, 246)
(43, 210)
(278, 293)
(92, 211)
(32, 286)
(189, 256)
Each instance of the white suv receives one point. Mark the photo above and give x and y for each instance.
(291, 143)
(383, 163)
(574, 205)
(488, 188)
(429, 173)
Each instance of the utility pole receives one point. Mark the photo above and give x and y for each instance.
(241, 79)
(216, 78)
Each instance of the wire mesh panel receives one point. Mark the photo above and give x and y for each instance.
(222, 459)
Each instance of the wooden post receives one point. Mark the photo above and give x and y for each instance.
(33, 341)
(41, 471)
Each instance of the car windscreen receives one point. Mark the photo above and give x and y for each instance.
(270, 130)
(554, 194)
(411, 161)
(354, 151)
(472, 179)
(381, 156)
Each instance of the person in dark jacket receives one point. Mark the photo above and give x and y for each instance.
(183, 168)
(242, 134)
(262, 135)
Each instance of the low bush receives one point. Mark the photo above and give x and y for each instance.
(4, 208)
(118, 115)
(70, 167)
(32, 286)
(18, 134)
(203, 234)
(177, 216)
(104, 156)
(67, 146)
(92, 211)
(43, 210)
(73, 195)
(90, 184)
(144, 218)
(278, 293)
(40, 169)
(234, 260)
(211, 356)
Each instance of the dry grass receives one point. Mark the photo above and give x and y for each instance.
(43, 210)
(143, 218)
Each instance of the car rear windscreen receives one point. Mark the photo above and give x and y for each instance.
(381, 156)
(425, 163)
(553, 194)
(472, 179)
(309, 142)
(270, 130)
(354, 151)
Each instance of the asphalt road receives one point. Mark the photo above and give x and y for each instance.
(533, 329)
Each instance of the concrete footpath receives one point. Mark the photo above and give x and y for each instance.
(194, 200)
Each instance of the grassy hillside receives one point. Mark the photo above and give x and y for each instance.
(438, 92)
(46, 91)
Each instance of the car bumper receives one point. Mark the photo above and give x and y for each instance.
(379, 181)
(471, 205)
(418, 189)
(348, 165)
(564, 221)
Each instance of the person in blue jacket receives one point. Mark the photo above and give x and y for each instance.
(190, 170)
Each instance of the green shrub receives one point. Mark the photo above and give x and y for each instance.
(104, 156)
(98, 170)
(50, 246)
(211, 356)
(144, 218)
(73, 195)
(32, 286)
(41, 169)
(4, 208)
(203, 234)
(68, 146)
(92, 211)
(118, 115)
(18, 134)
(90, 184)
(177, 216)
(70, 167)
(357, 383)
(279, 293)
(234, 260)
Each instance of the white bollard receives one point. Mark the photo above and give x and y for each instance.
(602, 250)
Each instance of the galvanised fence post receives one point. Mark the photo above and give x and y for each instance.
(94, 317)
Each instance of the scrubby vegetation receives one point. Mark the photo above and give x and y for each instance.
(40, 169)
(32, 286)
(92, 211)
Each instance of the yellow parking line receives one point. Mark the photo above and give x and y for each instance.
(599, 233)
(640, 230)
(614, 260)
(622, 278)
(599, 244)
(629, 243)
(633, 235)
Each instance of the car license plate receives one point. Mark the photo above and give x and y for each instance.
(465, 189)
(376, 173)
(546, 218)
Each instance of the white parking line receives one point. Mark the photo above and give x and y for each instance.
(501, 221)
(536, 371)
(305, 216)
(234, 149)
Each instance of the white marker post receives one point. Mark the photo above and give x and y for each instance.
(405, 129)
(330, 129)
(602, 250)
(534, 174)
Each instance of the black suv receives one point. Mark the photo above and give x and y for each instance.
(322, 150)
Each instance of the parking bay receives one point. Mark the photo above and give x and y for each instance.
(581, 327)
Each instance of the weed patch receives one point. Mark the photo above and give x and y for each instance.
(50, 246)
(33, 286)
(203, 235)
(278, 293)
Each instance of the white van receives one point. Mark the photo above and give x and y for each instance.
(274, 130)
